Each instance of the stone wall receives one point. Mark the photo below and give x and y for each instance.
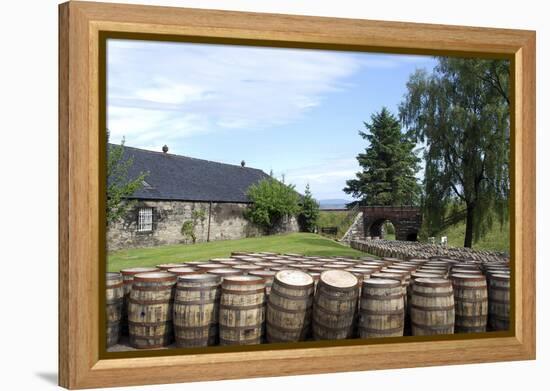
(223, 221)
(405, 219)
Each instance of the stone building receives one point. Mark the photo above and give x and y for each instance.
(179, 189)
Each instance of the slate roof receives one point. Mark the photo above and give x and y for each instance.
(175, 177)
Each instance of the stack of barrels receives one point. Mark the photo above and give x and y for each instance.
(410, 249)
(252, 298)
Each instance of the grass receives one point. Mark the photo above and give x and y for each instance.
(334, 218)
(496, 239)
(302, 243)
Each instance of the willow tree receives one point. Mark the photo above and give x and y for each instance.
(389, 164)
(460, 111)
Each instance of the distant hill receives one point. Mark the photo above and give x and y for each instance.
(333, 203)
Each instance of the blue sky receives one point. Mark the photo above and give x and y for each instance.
(294, 111)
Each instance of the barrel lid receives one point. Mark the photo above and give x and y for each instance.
(390, 275)
(339, 279)
(155, 276)
(113, 276)
(344, 263)
(231, 262)
(244, 280)
(250, 259)
(136, 270)
(209, 266)
(402, 272)
(385, 282)
(263, 273)
(432, 282)
(335, 266)
(294, 278)
(224, 271)
(417, 275)
(198, 277)
(468, 277)
(222, 259)
(266, 264)
(283, 262)
(247, 267)
(239, 253)
(360, 271)
(367, 267)
(466, 271)
(169, 265)
(391, 259)
(416, 260)
(180, 270)
(500, 277)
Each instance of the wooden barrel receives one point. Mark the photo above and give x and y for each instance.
(204, 267)
(470, 292)
(334, 305)
(267, 275)
(382, 309)
(166, 266)
(113, 300)
(499, 302)
(223, 260)
(150, 310)
(196, 304)
(246, 268)
(230, 262)
(128, 278)
(432, 307)
(288, 316)
(182, 271)
(225, 272)
(241, 310)
(335, 266)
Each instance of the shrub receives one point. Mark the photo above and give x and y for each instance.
(272, 201)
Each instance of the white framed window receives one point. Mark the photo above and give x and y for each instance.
(145, 219)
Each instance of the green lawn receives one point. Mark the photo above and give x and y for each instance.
(497, 239)
(334, 218)
(301, 243)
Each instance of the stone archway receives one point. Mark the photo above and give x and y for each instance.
(405, 219)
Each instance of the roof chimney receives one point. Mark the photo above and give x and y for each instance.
(243, 163)
(165, 148)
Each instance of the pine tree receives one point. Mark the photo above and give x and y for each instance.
(309, 213)
(389, 165)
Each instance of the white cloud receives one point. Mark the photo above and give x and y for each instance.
(326, 179)
(182, 89)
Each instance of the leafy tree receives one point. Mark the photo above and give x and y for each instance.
(188, 227)
(389, 164)
(119, 186)
(460, 112)
(272, 201)
(309, 213)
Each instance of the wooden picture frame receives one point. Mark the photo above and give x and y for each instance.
(81, 162)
